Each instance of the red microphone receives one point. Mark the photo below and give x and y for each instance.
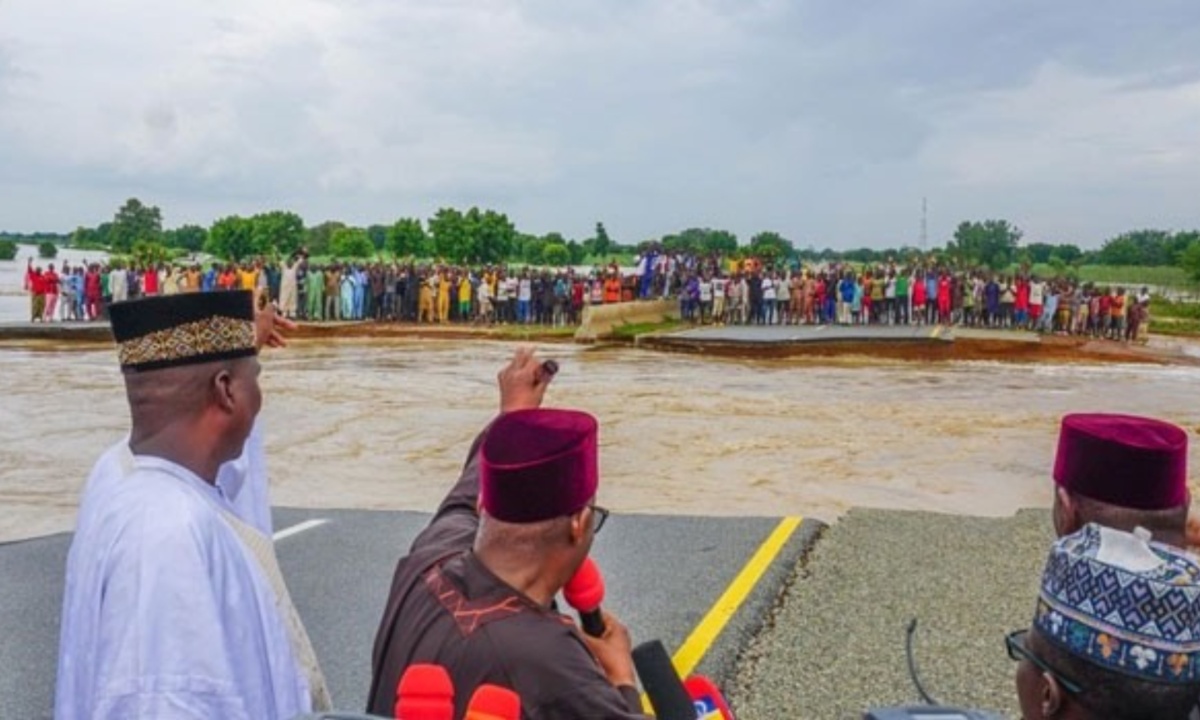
(425, 693)
(492, 702)
(585, 592)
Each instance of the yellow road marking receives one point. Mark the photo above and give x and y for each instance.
(705, 634)
(936, 331)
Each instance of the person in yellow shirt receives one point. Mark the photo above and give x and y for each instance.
(248, 277)
(425, 311)
(464, 298)
(443, 297)
(489, 279)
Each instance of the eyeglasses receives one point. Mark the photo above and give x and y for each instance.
(1018, 650)
(600, 516)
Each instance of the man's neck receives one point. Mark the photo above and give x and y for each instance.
(526, 578)
(177, 445)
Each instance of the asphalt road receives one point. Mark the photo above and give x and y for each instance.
(663, 574)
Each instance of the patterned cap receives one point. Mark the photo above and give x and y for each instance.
(185, 329)
(1118, 600)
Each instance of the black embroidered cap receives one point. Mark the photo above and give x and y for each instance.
(185, 329)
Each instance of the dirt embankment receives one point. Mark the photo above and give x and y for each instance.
(1056, 349)
(1047, 349)
(385, 330)
(57, 335)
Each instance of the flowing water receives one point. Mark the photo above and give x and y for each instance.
(385, 424)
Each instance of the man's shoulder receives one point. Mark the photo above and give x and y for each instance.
(165, 501)
(542, 642)
(148, 509)
(114, 463)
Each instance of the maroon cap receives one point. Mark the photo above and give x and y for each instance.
(1123, 460)
(539, 464)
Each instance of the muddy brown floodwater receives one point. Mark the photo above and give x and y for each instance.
(384, 424)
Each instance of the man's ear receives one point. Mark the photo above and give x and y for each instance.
(578, 527)
(223, 391)
(1065, 512)
(1053, 698)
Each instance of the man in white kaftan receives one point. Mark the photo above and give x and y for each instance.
(174, 606)
(289, 287)
(186, 626)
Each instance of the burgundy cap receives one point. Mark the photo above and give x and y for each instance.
(539, 464)
(1123, 460)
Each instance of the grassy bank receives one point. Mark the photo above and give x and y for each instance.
(533, 332)
(1174, 318)
(631, 331)
(1159, 276)
(1162, 308)
(1176, 327)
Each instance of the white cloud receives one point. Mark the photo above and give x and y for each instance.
(1068, 127)
(1109, 151)
(823, 121)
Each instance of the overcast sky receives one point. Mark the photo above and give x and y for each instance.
(825, 121)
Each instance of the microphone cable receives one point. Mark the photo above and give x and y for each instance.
(912, 664)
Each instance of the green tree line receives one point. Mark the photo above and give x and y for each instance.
(34, 238)
(479, 235)
(471, 236)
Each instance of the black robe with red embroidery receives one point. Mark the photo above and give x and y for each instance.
(446, 608)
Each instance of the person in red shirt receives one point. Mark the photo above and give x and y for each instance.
(91, 292)
(37, 292)
(1021, 307)
(943, 299)
(50, 287)
(227, 279)
(919, 296)
(150, 281)
(577, 290)
(1105, 311)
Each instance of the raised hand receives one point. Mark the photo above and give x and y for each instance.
(270, 326)
(522, 382)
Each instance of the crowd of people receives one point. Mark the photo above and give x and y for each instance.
(919, 294)
(174, 532)
(710, 290)
(339, 291)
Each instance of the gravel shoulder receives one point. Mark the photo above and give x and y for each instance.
(834, 645)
